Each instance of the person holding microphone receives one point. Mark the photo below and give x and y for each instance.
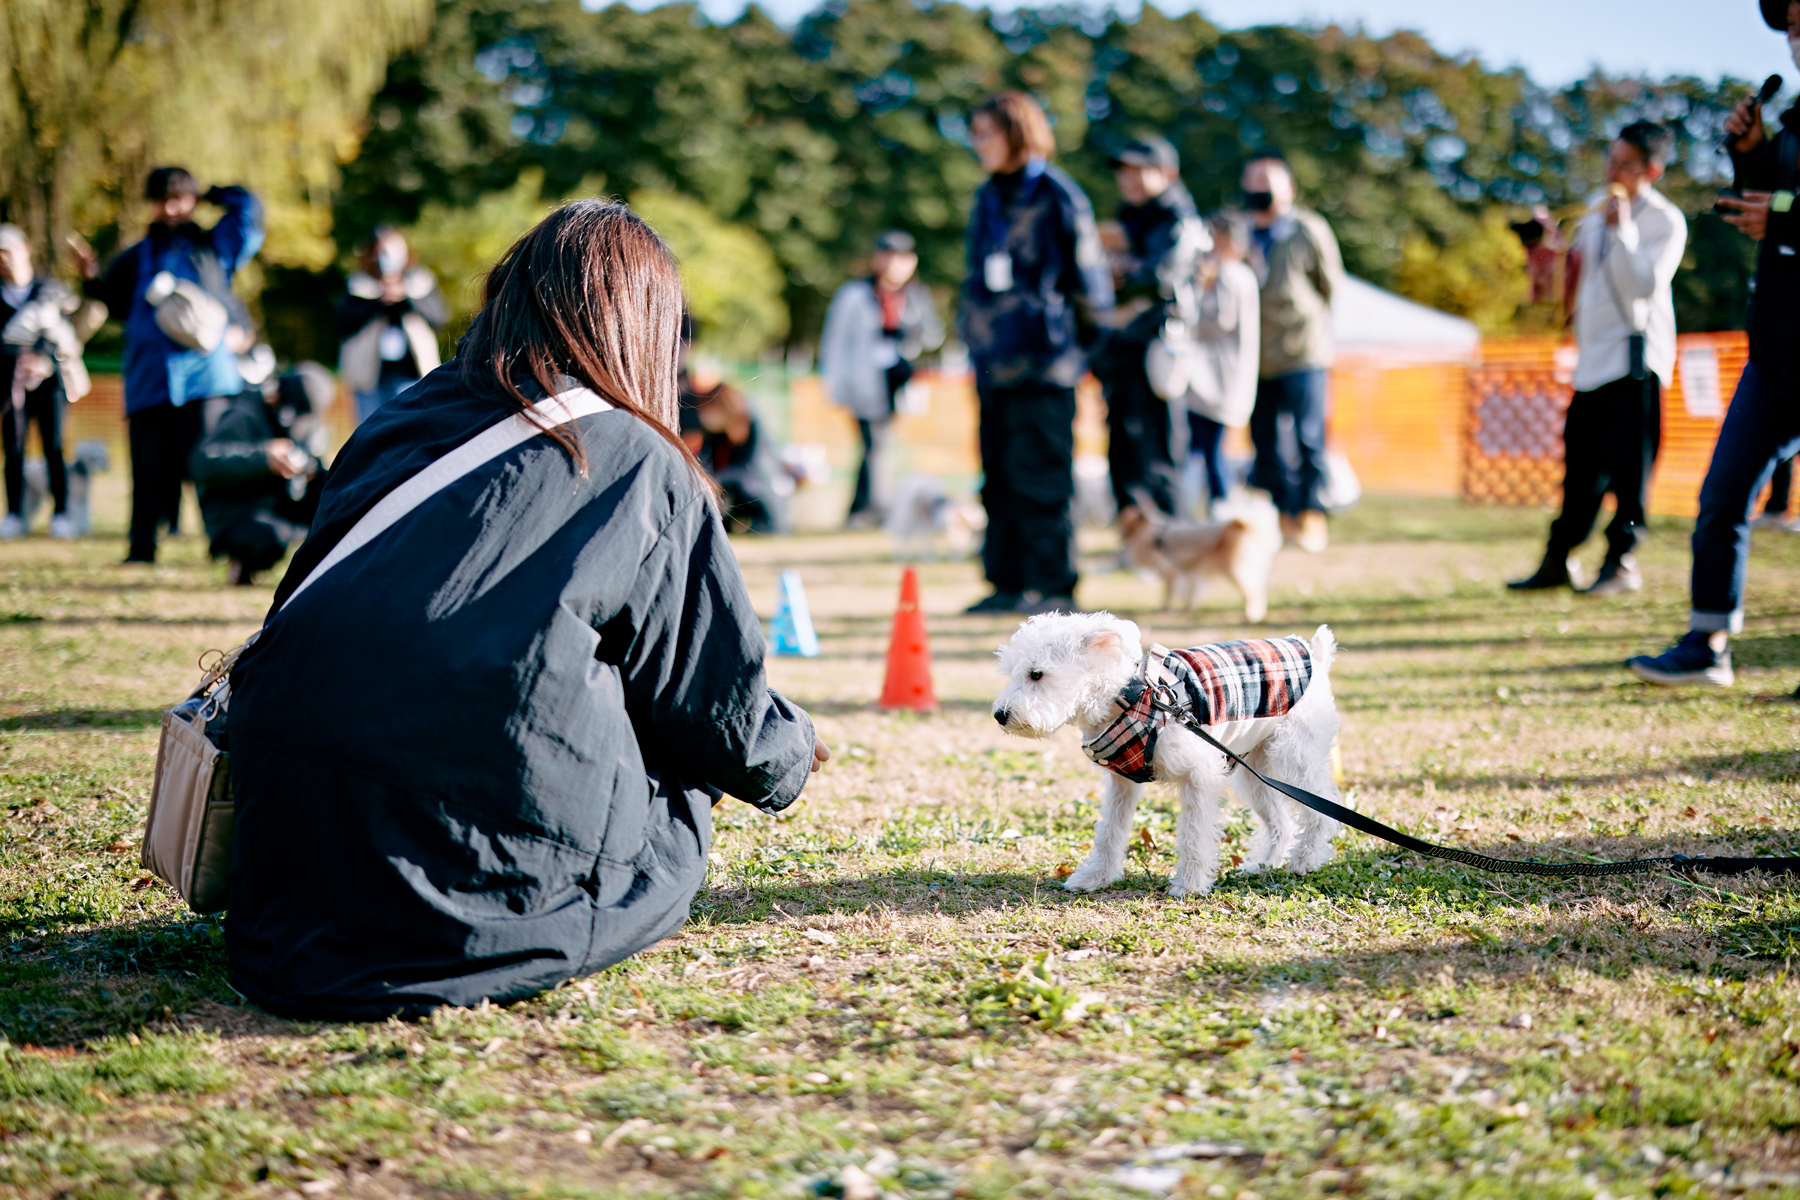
(1762, 426)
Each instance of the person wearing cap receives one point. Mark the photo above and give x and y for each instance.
(1296, 259)
(257, 472)
(875, 329)
(1037, 294)
(1164, 240)
(41, 372)
(167, 383)
(1762, 426)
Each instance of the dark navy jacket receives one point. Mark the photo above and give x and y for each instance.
(1166, 240)
(157, 369)
(478, 757)
(1774, 319)
(1037, 331)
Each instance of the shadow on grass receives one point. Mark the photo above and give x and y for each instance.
(84, 718)
(109, 980)
(1775, 766)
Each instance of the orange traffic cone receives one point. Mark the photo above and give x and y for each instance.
(908, 682)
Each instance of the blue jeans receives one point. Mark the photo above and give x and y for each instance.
(368, 402)
(1204, 438)
(1287, 427)
(1761, 428)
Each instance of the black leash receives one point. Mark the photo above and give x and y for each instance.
(1506, 866)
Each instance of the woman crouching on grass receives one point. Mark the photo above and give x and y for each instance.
(478, 758)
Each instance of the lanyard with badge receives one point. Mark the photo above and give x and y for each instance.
(997, 266)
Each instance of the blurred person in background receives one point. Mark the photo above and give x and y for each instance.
(1220, 374)
(1297, 264)
(41, 372)
(166, 382)
(874, 331)
(1037, 291)
(1762, 426)
(1629, 247)
(388, 322)
(719, 427)
(256, 471)
(1163, 241)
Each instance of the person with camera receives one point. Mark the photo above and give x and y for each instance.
(42, 328)
(388, 321)
(1297, 263)
(1037, 293)
(172, 290)
(1630, 245)
(1162, 245)
(256, 474)
(1762, 426)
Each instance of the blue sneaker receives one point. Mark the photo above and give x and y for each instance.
(1692, 660)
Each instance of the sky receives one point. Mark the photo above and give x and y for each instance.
(1556, 41)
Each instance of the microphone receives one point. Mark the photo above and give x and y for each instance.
(1770, 86)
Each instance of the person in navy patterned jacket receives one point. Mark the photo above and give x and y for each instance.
(1037, 292)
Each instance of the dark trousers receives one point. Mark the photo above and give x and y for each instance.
(1137, 434)
(1287, 427)
(1028, 486)
(1206, 441)
(1761, 428)
(1781, 485)
(162, 438)
(874, 435)
(1610, 439)
(44, 404)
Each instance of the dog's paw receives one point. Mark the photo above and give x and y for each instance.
(1092, 880)
(1189, 887)
(1255, 868)
(1307, 864)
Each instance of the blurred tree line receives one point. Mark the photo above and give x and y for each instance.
(771, 157)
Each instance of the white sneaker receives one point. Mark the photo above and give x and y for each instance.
(12, 526)
(62, 527)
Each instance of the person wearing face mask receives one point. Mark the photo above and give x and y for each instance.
(1628, 249)
(41, 372)
(1037, 292)
(1762, 426)
(1163, 240)
(1296, 260)
(874, 330)
(167, 383)
(388, 323)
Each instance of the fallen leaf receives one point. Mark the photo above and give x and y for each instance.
(1063, 870)
(1145, 837)
(1690, 811)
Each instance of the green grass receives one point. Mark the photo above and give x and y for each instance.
(890, 977)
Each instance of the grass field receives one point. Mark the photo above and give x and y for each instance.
(884, 991)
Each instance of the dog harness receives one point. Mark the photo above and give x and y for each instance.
(1210, 685)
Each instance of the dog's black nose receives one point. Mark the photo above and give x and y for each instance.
(1001, 715)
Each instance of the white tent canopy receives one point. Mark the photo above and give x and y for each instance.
(1366, 319)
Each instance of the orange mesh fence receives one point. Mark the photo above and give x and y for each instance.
(1520, 390)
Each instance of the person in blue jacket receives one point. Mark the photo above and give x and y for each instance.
(166, 383)
(478, 757)
(1038, 290)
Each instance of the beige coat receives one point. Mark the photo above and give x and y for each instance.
(1298, 278)
(359, 358)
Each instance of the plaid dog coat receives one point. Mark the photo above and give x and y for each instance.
(1226, 681)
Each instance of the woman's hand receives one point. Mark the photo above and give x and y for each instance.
(821, 752)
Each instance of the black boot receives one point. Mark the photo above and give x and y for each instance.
(1554, 573)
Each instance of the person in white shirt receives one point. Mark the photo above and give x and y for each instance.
(1629, 246)
(875, 328)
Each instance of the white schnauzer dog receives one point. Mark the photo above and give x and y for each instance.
(1267, 700)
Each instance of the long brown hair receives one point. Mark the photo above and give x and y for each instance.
(1021, 122)
(591, 293)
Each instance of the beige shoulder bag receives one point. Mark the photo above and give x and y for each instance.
(187, 836)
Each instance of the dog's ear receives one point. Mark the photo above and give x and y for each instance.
(1103, 643)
